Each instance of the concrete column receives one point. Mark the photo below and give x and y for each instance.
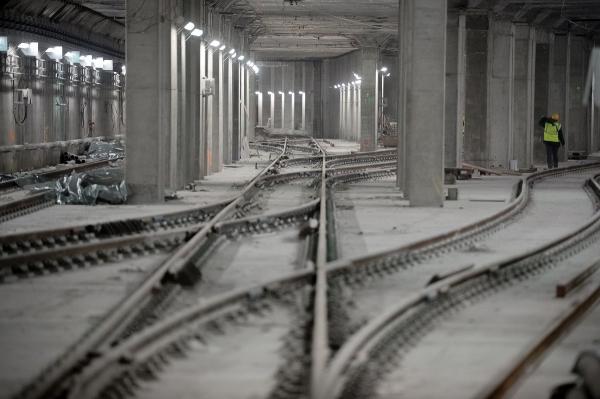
(151, 39)
(178, 101)
(192, 105)
(259, 108)
(500, 93)
(293, 111)
(523, 95)
(356, 89)
(368, 106)
(220, 148)
(229, 101)
(455, 89)
(202, 115)
(425, 93)
(235, 100)
(475, 140)
(577, 126)
(557, 88)
(282, 99)
(252, 99)
(211, 120)
(543, 61)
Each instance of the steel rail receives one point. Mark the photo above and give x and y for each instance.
(37, 253)
(320, 336)
(53, 380)
(154, 340)
(529, 358)
(26, 241)
(356, 349)
(12, 209)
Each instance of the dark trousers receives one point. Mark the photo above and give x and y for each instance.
(552, 154)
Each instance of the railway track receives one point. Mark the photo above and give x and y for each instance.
(368, 361)
(131, 347)
(54, 250)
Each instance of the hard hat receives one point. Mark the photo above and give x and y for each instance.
(555, 116)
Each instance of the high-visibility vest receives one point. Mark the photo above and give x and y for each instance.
(551, 132)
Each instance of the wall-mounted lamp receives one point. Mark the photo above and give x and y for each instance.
(255, 68)
(189, 26)
(215, 43)
(258, 93)
(222, 47)
(232, 51)
(197, 32)
(241, 57)
(301, 92)
(124, 70)
(270, 93)
(383, 69)
(54, 53)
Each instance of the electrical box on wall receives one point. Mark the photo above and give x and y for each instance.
(208, 86)
(23, 96)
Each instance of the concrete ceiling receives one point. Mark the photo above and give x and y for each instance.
(292, 29)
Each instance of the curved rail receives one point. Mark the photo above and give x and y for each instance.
(146, 349)
(52, 380)
(356, 350)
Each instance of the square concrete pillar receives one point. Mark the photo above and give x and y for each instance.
(228, 140)
(424, 59)
(202, 115)
(500, 92)
(523, 95)
(368, 98)
(151, 43)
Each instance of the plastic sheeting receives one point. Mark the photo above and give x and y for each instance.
(105, 185)
(105, 149)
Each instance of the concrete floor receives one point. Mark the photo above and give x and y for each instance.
(41, 317)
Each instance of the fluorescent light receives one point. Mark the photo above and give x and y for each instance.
(215, 43)
(85, 60)
(124, 70)
(189, 26)
(280, 92)
(232, 51)
(355, 75)
(255, 68)
(107, 65)
(241, 57)
(388, 74)
(222, 47)
(383, 69)
(270, 93)
(249, 63)
(197, 32)
(257, 92)
(23, 45)
(72, 57)
(54, 53)
(291, 92)
(98, 63)
(300, 92)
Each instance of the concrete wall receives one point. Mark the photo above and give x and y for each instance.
(63, 109)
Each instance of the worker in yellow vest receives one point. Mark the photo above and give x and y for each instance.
(553, 138)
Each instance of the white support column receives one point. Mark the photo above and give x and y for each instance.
(368, 98)
(303, 94)
(282, 95)
(293, 99)
(259, 110)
